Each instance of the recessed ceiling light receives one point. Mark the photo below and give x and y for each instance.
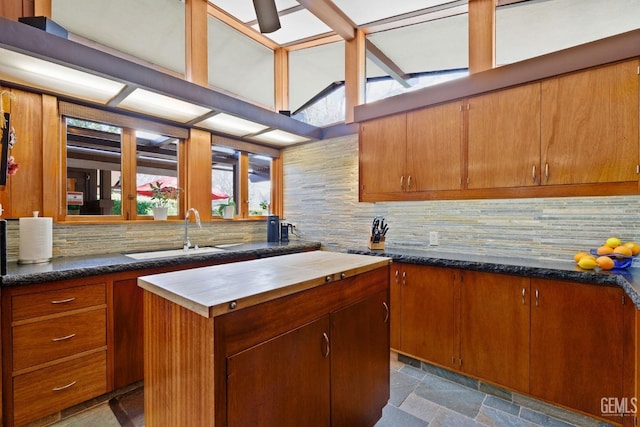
(279, 137)
(33, 72)
(231, 125)
(155, 104)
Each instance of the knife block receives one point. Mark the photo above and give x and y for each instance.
(377, 245)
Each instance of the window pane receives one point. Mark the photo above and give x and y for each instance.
(156, 164)
(528, 29)
(224, 178)
(259, 184)
(93, 168)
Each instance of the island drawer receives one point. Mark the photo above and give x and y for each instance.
(42, 392)
(57, 301)
(46, 340)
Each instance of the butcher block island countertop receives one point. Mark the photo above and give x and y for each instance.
(288, 340)
(209, 291)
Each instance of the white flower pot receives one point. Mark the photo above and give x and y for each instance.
(228, 212)
(160, 213)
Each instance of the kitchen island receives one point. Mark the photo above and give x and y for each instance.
(300, 339)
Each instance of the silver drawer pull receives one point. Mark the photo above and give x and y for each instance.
(386, 311)
(62, 301)
(68, 337)
(64, 387)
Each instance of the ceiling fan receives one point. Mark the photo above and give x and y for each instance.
(267, 15)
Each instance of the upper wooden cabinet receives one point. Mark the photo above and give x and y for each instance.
(419, 151)
(570, 135)
(590, 125)
(382, 155)
(504, 138)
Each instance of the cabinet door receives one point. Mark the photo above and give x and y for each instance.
(128, 333)
(427, 313)
(590, 125)
(434, 148)
(284, 381)
(382, 155)
(360, 362)
(576, 343)
(494, 328)
(504, 138)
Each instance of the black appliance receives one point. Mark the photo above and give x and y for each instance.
(273, 228)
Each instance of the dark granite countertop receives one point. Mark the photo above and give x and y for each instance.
(628, 279)
(81, 266)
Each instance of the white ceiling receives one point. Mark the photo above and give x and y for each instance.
(153, 30)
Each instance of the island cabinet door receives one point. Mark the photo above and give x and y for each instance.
(577, 344)
(360, 362)
(284, 381)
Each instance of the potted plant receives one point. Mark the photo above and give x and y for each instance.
(162, 197)
(227, 210)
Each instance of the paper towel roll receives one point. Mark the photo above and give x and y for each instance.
(36, 240)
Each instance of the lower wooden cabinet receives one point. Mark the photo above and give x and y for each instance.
(494, 328)
(424, 318)
(54, 347)
(128, 339)
(577, 344)
(568, 343)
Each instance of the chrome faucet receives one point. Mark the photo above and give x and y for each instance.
(187, 244)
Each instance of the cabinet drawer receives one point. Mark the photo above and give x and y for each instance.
(40, 342)
(51, 389)
(53, 302)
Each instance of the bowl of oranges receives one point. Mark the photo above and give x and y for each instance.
(612, 254)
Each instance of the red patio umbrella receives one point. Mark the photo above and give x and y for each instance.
(170, 181)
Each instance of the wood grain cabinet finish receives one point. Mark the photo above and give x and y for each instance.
(504, 138)
(318, 357)
(570, 135)
(54, 348)
(424, 319)
(568, 343)
(414, 152)
(494, 328)
(589, 123)
(577, 349)
(128, 338)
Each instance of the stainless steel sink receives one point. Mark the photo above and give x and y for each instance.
(173, 253)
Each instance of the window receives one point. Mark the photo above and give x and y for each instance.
(242, 174)
(112, 161)
(259, 184)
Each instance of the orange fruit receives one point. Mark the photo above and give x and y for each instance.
(604, 250)
(635, 248)
(605, 262)
(623, 250)
(579, 255)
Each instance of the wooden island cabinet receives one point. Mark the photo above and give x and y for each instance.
(295, 340)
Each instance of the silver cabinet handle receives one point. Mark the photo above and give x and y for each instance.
(64, 386)
(404, 277)
(386, 311)
(402, 182)
(533, 174)
(63, 301)
(68, 337)
(397, 276)
(409, 182)
(326, 343)
(537, 298)
(546, 171)
(524, 291)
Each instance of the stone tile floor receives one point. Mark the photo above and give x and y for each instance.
(427, 396)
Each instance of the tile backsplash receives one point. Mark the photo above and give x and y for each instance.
(321, 198)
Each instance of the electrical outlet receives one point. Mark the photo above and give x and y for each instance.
(433, 238)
